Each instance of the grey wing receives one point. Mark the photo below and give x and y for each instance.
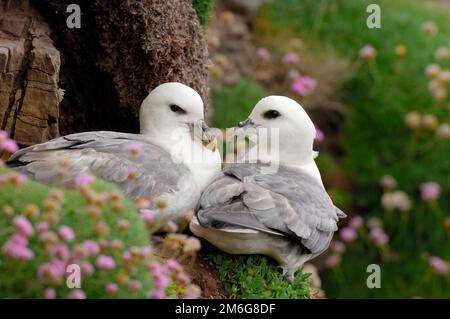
(288, 203)
(106, 155)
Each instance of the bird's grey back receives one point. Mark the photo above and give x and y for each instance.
(107, 155)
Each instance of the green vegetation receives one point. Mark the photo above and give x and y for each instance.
(204, 9)
(257, 277)
(233, 104)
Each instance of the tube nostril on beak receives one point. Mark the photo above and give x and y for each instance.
(246, 122)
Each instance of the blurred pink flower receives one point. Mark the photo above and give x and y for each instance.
(126, 257)
(54, 269)
(66, 233)
(123, 224)
(264, 54)
(19, 252)
(92, 247)
(290, 58)
(87, 268)
(348, 234)
(19, 239)
(77, 294)
(294, 74)
(49, 293)
(43, 227)
(338, 247)
(172, 265)
(135, 149)
(148, 216)
(170, 227)
(105, 262)
(161, 281)
(135, 285)
(368, 53)
(157, 294)
(320, 136)
(388, 182)
(9, 146)
(332, 261)
(23, 226)
(441, 267)
(430, 191)
(60, 251)
(303, 85)
(356, 222)
(379, 237)
(111, 288)
(83, 180)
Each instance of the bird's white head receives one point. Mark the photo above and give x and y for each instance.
(296, 131)
(170, 106)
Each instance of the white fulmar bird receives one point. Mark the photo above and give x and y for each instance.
(168, 159)
(285, 214)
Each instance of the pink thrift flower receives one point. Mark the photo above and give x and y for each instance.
(172, 265)
(43, 227)
(77, 294)
(49, 293)
(338, 247)
(3, 136)
(348, 234)
(66, 233)
(157, 294)
(148, 216)
(60, 251)
(379, 237)
(123, 224)
(161, 281)
(105, 262)
(155, 269)
(92, 247)
(441, 267)
(126, 257)
(111, 288)
(52, 270)
(18, 252)
(303, 85)
(135, 285)
(430, 191)
(332, 261)
(83, 180)
(19, 240)
(23, 226)
(135, 149)
(320, 136)
(356, 222)
(9, 146)
(264, 54)
(87, 269)
(290, 58)
(294, 74)
(170, 227)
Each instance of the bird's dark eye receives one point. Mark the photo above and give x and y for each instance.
(175, 108)
(271, 114)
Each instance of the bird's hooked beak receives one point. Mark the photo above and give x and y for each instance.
(245, 127)
(204, 133)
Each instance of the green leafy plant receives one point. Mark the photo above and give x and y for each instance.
(258, 277)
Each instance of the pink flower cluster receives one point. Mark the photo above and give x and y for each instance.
(17, 245)
(303, 85)
(430, 191)
(6, 144)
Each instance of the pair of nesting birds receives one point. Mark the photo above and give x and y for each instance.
(285, 214)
